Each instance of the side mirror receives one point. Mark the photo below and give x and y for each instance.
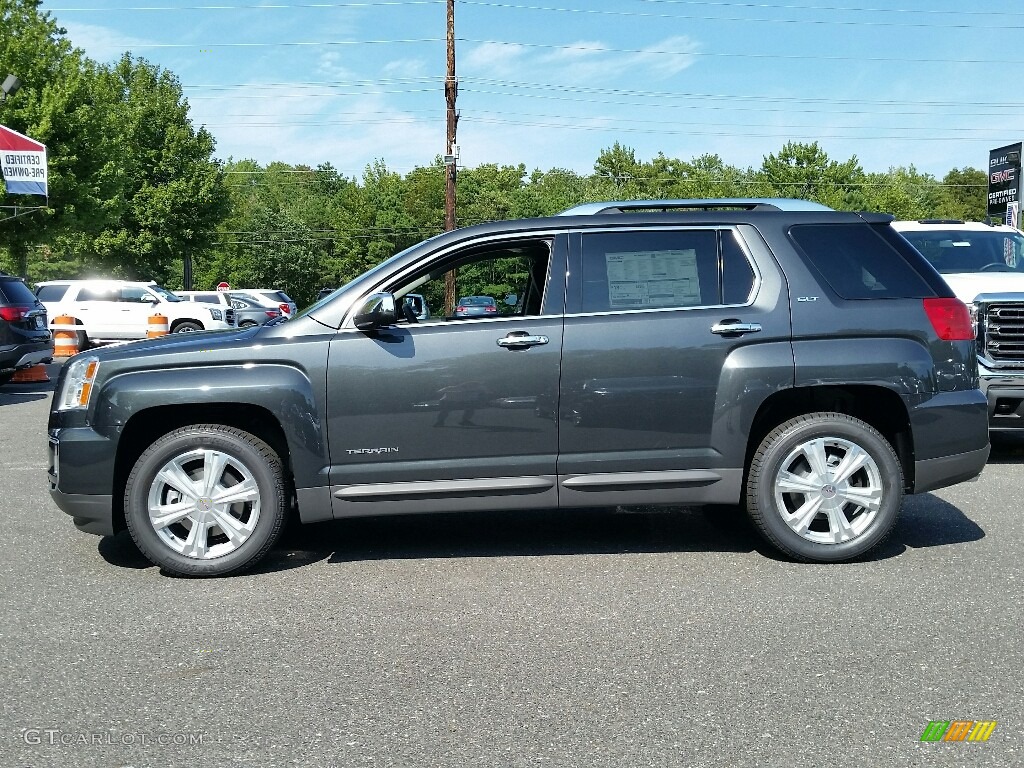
(377, 311)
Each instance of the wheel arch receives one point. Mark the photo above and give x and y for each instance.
(179, 320)
(877, 406)
(146, 426)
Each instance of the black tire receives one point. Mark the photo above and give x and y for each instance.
(256, 520)
(5, 377)
(805, 501)
(83, 341)
(187, 326)
(247, 324)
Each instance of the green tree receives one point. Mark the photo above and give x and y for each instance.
(50, 108)
(964, 195)
(171, 192)
(804, 171)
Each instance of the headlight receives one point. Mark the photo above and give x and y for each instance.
(217, 314)
(78, 384)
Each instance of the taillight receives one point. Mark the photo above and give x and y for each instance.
(460, 309)
(13, 314)
(489, 308)
(272, 313)
(950, 318)
(285, 309)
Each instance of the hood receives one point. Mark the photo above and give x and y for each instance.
(967, 285)
(173, 343)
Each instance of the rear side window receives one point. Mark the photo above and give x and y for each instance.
(51, 292)
(90, 293)
(857, 263)
(663, 269)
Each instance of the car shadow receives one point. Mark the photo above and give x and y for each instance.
(14, 392)
(924, 521)
(1006, 449)
(17, 395)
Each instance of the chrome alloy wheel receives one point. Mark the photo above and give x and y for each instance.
(828, 490)
(204, 504)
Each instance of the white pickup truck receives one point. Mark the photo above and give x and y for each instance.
(984, 265)
(119, 310)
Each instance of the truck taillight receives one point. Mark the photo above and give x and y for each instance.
(950, 318)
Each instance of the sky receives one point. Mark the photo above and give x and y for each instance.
(552, 83)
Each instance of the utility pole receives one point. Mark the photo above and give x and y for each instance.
(451, 156)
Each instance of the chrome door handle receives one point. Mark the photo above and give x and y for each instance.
(521, 339)
(734, 328)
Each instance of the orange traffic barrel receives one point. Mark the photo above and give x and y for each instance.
(65, 339)
(32, 375)
(157, 326)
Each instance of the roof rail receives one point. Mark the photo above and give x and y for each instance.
(735, 203)
(940, 221)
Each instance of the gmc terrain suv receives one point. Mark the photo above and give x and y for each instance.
(806, 362)
(984, 265)
(24, 338)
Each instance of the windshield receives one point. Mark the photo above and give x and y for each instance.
(957, 251)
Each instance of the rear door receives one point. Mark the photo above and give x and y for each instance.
(665, 328)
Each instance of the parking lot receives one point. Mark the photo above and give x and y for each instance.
(608, 638)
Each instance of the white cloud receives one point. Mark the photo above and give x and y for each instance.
(667, 58)
(495, 58)
(102, 43)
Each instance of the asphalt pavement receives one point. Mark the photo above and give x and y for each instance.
(612, 638)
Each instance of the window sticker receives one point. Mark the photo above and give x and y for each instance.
(652, 279)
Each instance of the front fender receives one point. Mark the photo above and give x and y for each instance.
(284, 391)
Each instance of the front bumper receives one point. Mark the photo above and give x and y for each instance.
(81, 474)
(1005, 393)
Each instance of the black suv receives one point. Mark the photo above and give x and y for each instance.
(24, 333)
(808, 363)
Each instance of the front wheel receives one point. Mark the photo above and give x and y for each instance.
(824, 487)
(206, 500)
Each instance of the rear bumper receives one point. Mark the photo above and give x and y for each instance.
(950, 438)
(25, 355)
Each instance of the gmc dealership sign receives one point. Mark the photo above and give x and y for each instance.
(1003, 181)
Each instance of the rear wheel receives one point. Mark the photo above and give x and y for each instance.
(824, 487)
(187, 327)
(5, 377)
(206, 500)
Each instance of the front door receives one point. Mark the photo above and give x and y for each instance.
(453, 412)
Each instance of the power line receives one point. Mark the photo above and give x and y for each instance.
(617, 13)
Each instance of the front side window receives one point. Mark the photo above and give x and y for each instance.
(490, 281)
(136, 295)
(663, 269)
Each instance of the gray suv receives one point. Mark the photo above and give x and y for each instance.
(807, 363)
